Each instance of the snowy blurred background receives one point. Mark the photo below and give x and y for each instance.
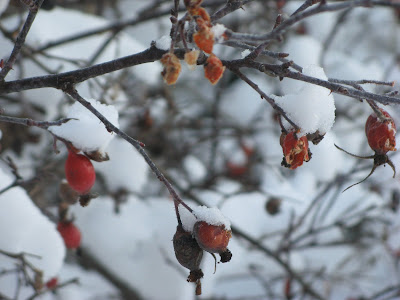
(294, 232)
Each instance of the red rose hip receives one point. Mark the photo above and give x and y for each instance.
(295, 151)
(79, 172)
(70, 234)
(211, 238)
(381, 134)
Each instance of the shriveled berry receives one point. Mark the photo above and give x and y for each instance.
(273, 205)
(70, 234)
(211, 238)
(187, 251)
(381, 134)
(172, 68)
(295, 151)
(79, 172)
(213, 69)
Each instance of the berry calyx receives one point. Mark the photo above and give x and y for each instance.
(211, 238)
(79, 172)
(70, 234)
(213, 69)
(52, 283)
(295, 150)
(381, 134)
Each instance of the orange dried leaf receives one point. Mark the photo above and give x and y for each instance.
(172, 68)
(213, 69)
(191, 58)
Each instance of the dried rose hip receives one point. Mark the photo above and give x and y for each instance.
(381, 134)
(295, 150)
(187, 251)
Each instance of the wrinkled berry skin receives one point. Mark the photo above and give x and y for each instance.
(70, 234)
(295, 151)
(187, 251)
(79, 172)
(211, 238)
(381, 135)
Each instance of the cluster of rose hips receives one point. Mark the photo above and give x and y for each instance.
(204, 39)
(189, 247)
(380, 130)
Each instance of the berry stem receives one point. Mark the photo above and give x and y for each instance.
(70, 90)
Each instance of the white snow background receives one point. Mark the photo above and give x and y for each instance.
(135, 245)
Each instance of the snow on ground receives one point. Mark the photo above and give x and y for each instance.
(24, 229)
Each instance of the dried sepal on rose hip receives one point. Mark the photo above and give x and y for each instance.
(381, 136)
(295, 150)
(213, 69)
(172, 68)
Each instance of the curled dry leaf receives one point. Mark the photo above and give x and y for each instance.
(172, 68)
(213, 69)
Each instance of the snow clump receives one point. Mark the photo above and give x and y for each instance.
(85, 131)
(311, 107)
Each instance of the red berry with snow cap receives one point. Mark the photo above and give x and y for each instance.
(381, 134)
(70, 234)
(211, 238)
(79, 172)
(295, 150)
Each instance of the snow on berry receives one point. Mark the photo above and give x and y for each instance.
(295, 150)
(70, 234)
(309, 106)
(79, 172)
(381, 134)
(85, 131)
(211, 215)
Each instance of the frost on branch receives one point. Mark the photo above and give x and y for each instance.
(311, 107)
(87, 133)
